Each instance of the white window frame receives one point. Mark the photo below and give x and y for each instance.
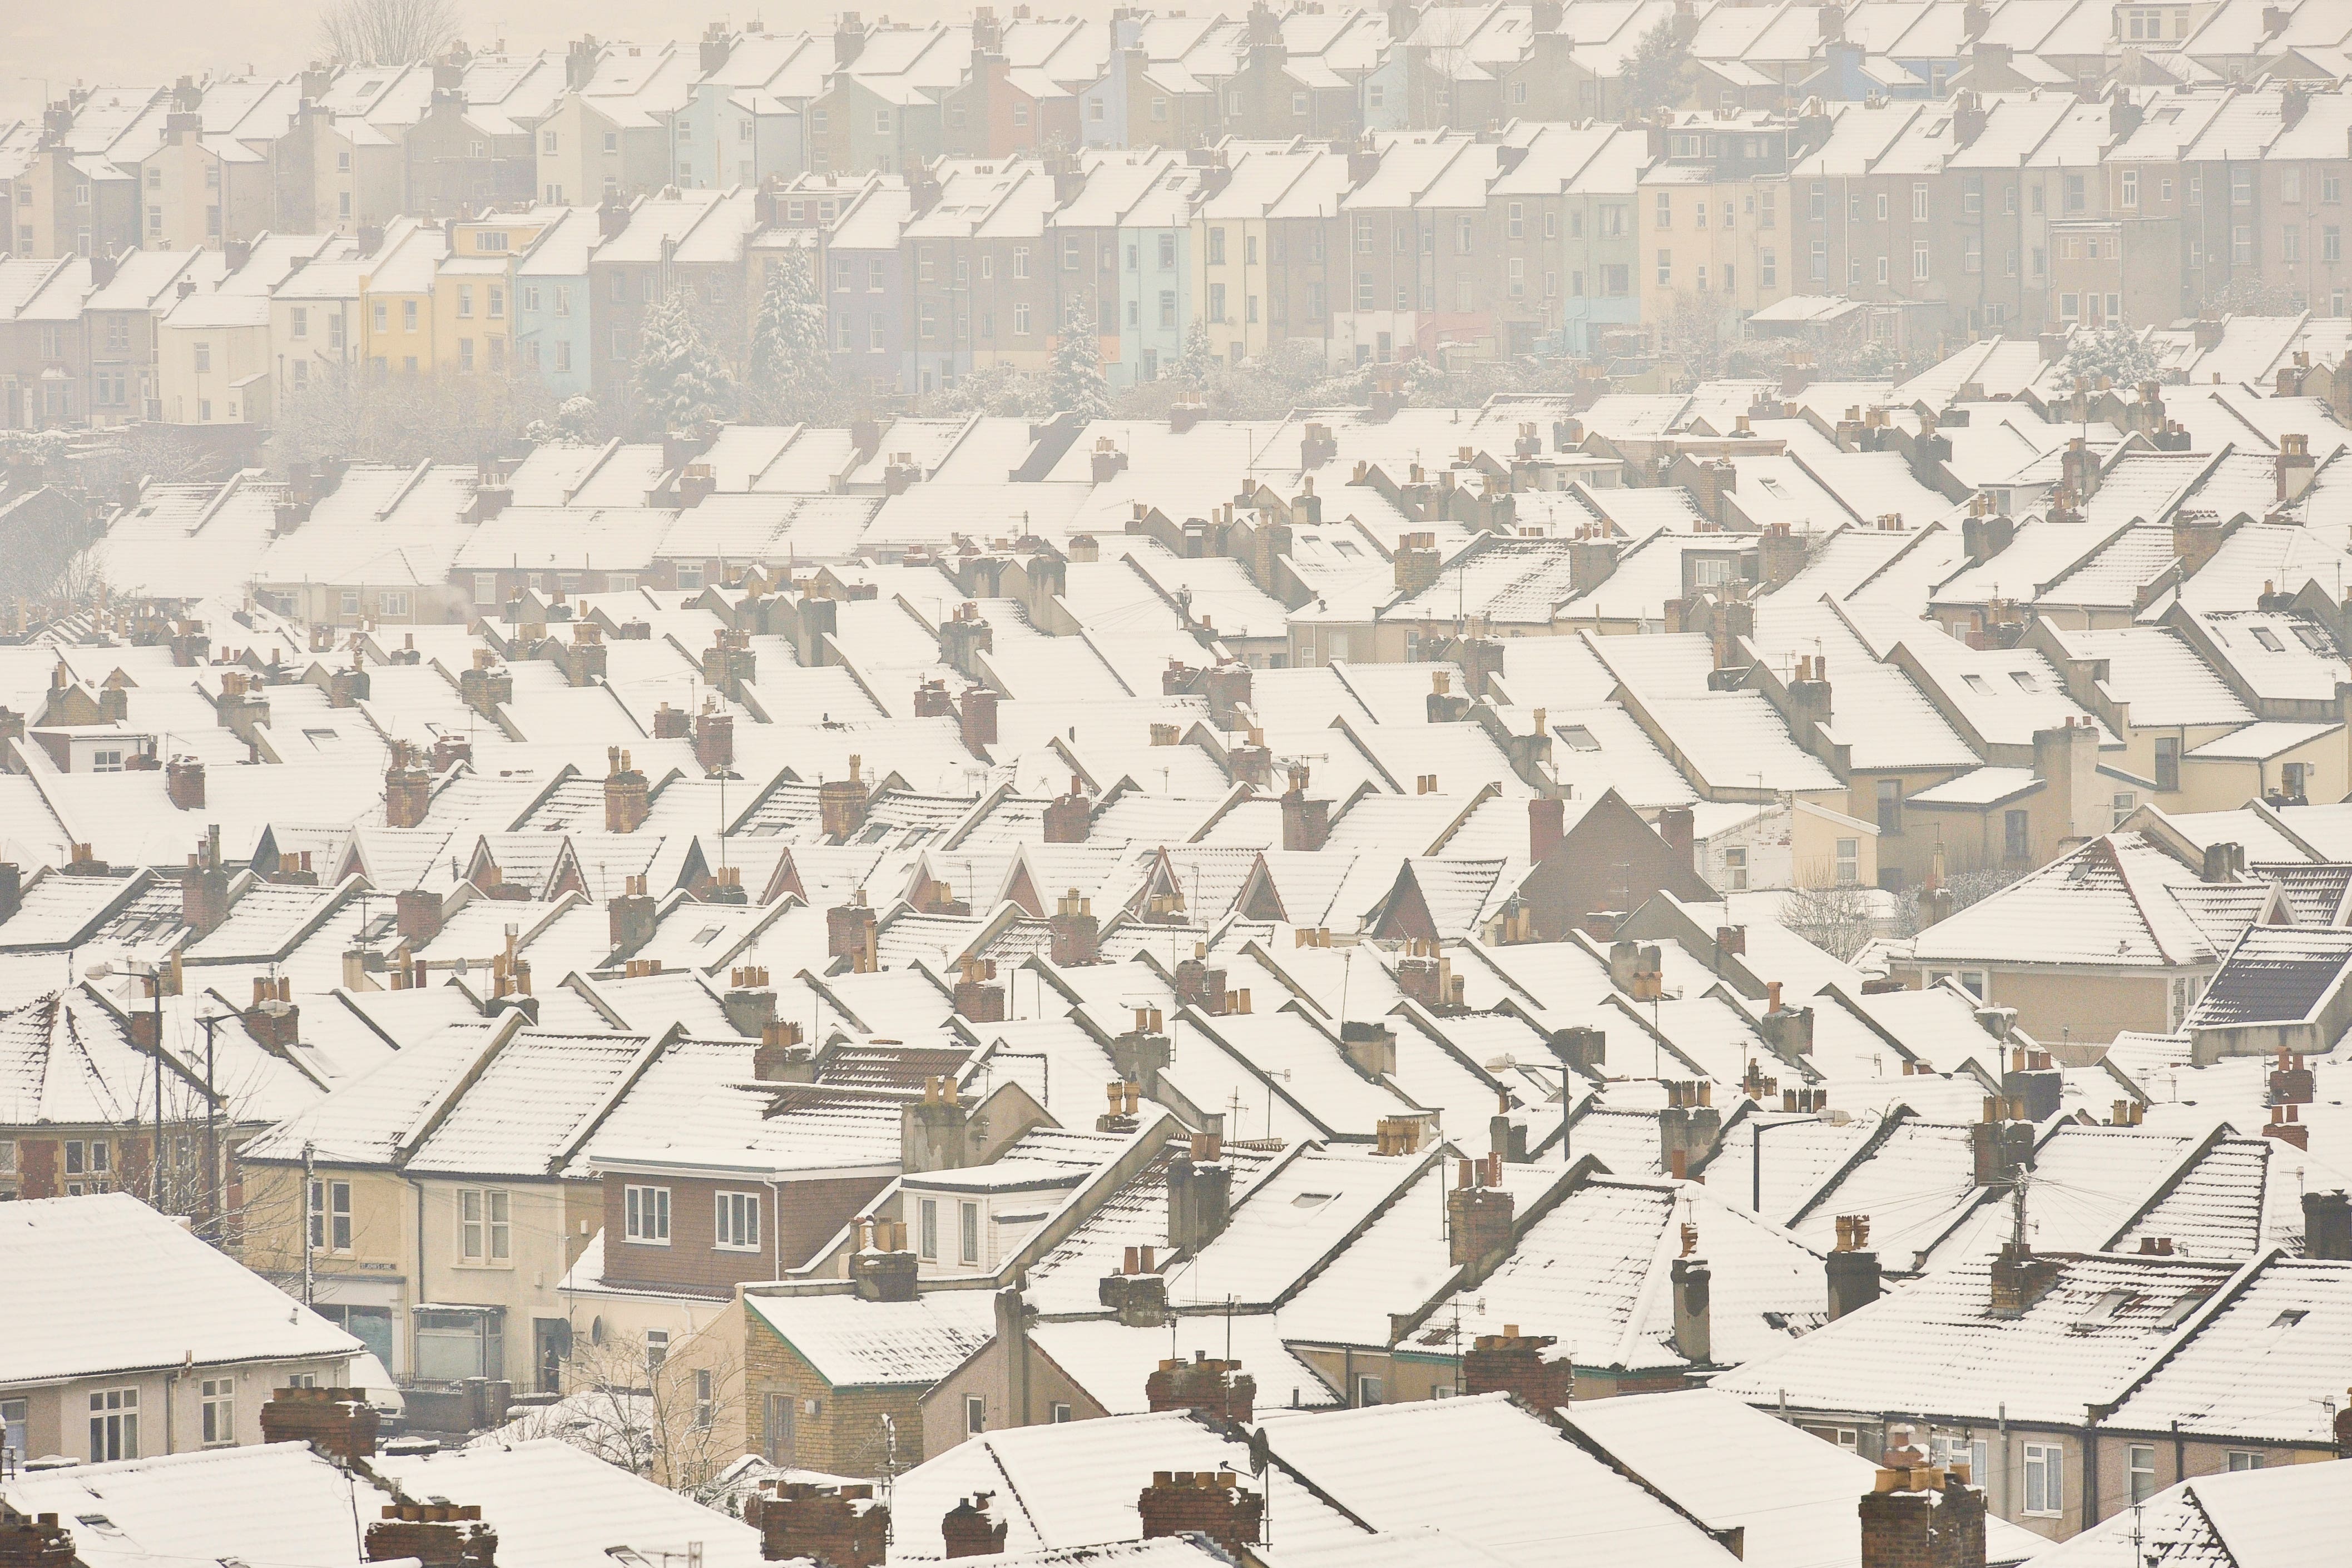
(331, 1215)
(927, 1228)
(644, 1215)
(113, 1424)
(2044, 1488)
(975, 1414)
(216, 1405)
(967, 1233)
(485, 1218)
(737, 1219)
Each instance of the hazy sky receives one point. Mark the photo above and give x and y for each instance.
(152, 42)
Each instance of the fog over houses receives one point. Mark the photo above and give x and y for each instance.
(1507, 784)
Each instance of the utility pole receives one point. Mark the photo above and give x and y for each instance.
(310, 1209)
(212, 1133)
(155, 1155)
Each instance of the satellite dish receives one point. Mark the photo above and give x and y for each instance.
(461, 967)
(99, 970)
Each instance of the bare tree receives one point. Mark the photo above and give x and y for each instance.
(387, 32)
(675, 1420)
(1838, 920)
(406, 417)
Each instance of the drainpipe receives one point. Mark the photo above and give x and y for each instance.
(419, 1294)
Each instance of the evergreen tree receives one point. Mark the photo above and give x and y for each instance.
(791, 379)
(1075, 383)
(1657, 73)
(1200, 362)
(680, 380)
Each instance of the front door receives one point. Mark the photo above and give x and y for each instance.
(550, 1347)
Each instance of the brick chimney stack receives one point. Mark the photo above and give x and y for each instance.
(1186, 1503)
(839, 1527)
(714, 739)
(1920, 1515)
(1073, 934)
(338, 1422)
(1305, 823)
(184, 783)
(850, 933)
(407, 788)
(779, 1057)
(2327, 1226)
(1200, 1194)
(1138, 1293)
(1514, 1364)
(1546, 818)
(30, 1542)
(1853, 1275)
(630, 919)
(627, 800)
(1221, 1388)
(203, 886)
(1069, 818)
(970, 1531)
(977, 997)
(932, 1132)
(273, 1019)
(884, 1267)
(1478, 1216)
(1693, 1319)
(841, 803)
(435, 1534)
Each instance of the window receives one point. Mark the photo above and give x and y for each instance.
(1919, 260)
(2015, 836)
(704, 1406)
(218, 1409)
(2167, 763)
(739, 1221)
(1734, 868)
(15, 1439)
(1368, 1390)
(331, 1215)
(114, 1425)
(1021, 320)
(1919, 204)
(1890, 805)
(1298, 104)
(1665, 267)
(1217, 303)
(2044, 1480)
(657, 1348)
(968, 1215)
(2241, 244)
(298, 323)
(645, 1215)
(1665, 214)
(485, 1227)
(408, 315)
(1849, 861)
(486, 588)
(1061, 1413)
(975, 1414)
(2244, 1460)
(2143, 1471)
(2129, 188)
(1020, 261)
(927, 1228)
(382, 322)
(2331, 244)
(203, 352)
(498, 303)
(1770, 269)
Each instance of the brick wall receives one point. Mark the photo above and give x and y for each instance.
(844, 1434)
(798, 1218)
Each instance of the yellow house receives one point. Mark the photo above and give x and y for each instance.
(1714, 246)
(397, 285)
(473, 291)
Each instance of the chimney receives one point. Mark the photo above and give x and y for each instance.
(1514, 1364)
(931, 1133)
(1184, 1503)
(1678, 828)
(1137, 1294)
(1069, 817)
(978, 707)
(1305, 823)
(714, 741)
(2293, 467)
(1073, 938)
(417, 915)
(2020, 1278)
(203, 886)
(338, 1422)
(184, 783)
(1218, 1388)
(1200, 1194)
(1546, 829)
(1370, 1048)
(1142, 1052)
(1853, 1271)
(1478, 1215)
(884, 1267)
(1416, 563)
(1689, 1126)
(1694, 1335)
(433, 1534)
(849, 933)
(779, 1057)
(977, 998)
(969, 1531)
(2033, 1084)
(630, 918)
(28, 1541)
(841, 803)
(273, 1020)
(1788, 1030)
(2327, 1226)
(749, 1001)
(626, 801)
(1919, 1515)
(840, 1527)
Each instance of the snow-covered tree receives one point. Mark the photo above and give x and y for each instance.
(1076, 383)
(2120, 357)
(680, 380)
(790, 374)
(1199, 361)
(575, 424)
